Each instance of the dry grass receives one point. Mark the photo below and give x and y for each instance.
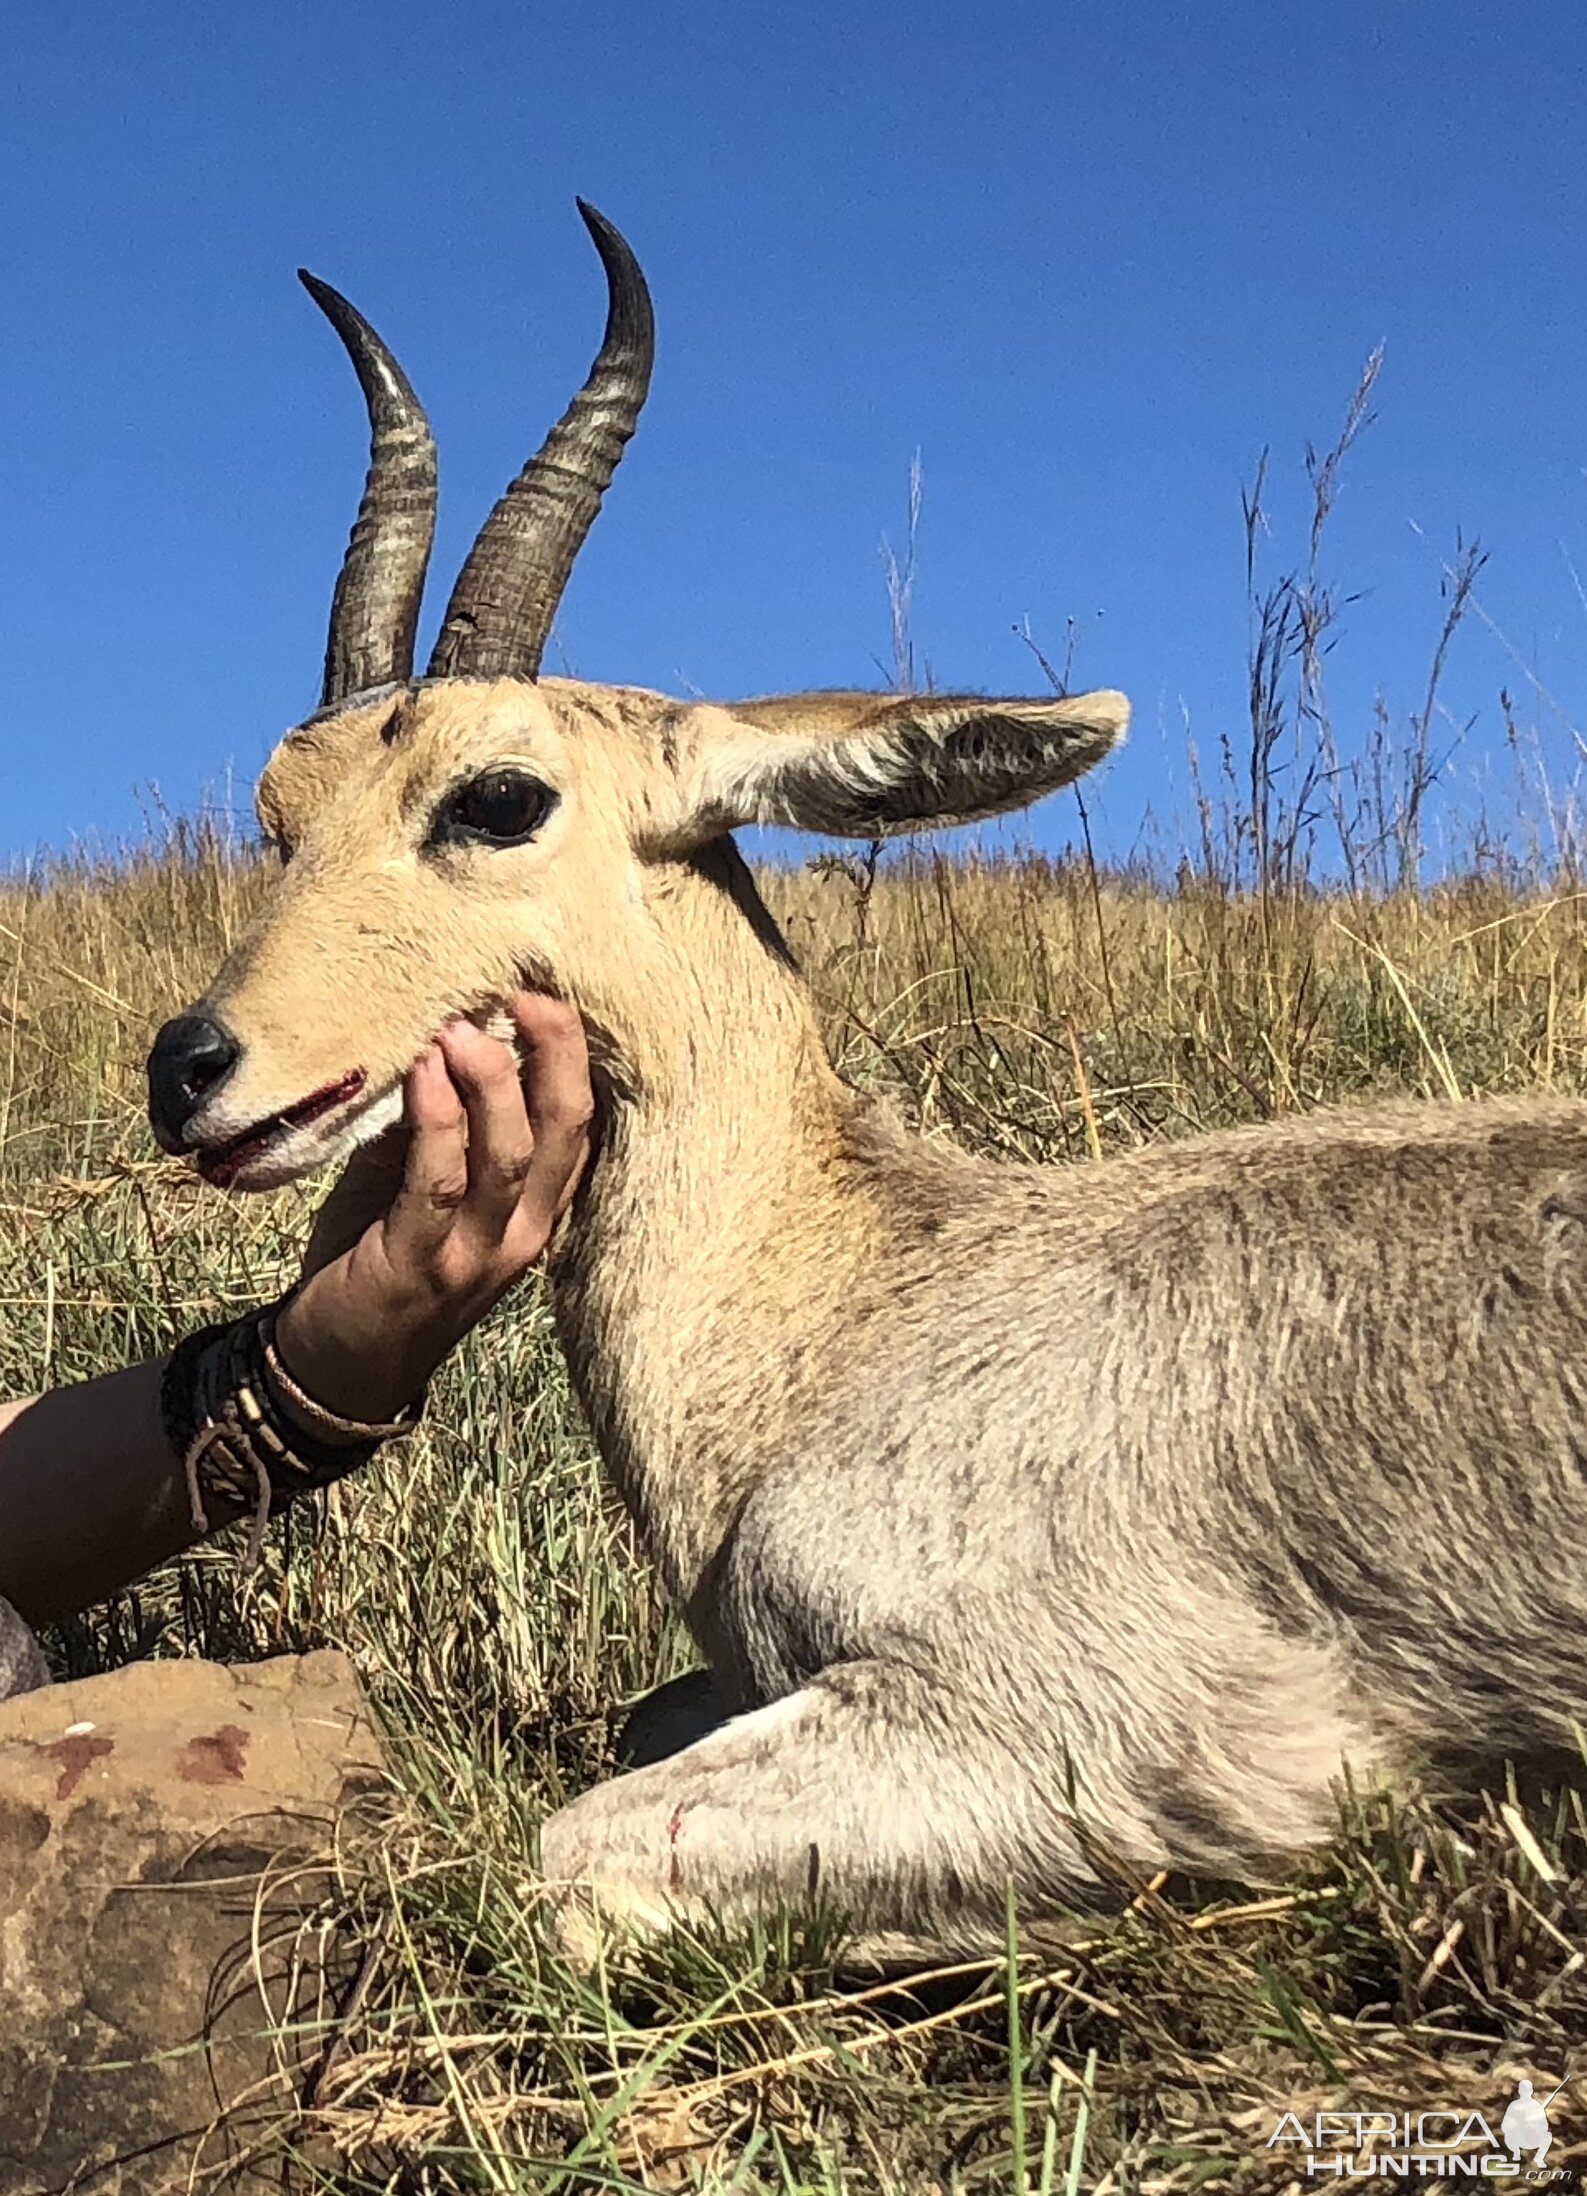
(500, 1617)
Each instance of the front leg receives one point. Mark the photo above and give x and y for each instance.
(872, 1789)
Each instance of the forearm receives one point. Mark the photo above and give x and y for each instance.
(91, 1495)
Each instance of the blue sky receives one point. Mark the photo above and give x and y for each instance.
(1087, 259)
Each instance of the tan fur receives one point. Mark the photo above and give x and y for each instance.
(1036, 1524)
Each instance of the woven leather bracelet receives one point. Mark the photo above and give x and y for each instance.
(247, 1436)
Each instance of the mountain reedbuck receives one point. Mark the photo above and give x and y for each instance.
(1037, 1524)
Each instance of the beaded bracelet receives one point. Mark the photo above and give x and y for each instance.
(247, 1436)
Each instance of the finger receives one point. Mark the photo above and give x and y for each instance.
(435, 1181)
(500, 1143)
(561, 1104)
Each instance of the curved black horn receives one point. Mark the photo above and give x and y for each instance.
(375, 610)
(499, 617)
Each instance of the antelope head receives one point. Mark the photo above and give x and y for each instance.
(444, 839)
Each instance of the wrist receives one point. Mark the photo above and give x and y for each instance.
(358, 1375)
(246, 1435)
(322, 1422)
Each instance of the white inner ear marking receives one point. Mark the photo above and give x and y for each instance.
(755, 782)
(923, 763)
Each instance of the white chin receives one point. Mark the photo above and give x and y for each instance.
(319, 1144)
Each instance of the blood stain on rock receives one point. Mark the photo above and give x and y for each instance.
(217, 1757)
(76, 1753)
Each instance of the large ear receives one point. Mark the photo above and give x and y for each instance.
(872, 765)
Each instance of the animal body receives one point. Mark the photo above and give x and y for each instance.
(1037, 1525)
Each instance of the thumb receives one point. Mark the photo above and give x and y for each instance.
(361, 1195)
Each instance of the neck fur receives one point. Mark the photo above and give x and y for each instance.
(718, 1241)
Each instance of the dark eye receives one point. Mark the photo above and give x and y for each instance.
(504, 807)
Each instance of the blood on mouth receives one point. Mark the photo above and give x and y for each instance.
(221, 1163)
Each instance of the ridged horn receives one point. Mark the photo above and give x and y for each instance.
(500, 614)
(375, 610)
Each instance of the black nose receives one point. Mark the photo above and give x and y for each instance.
(192, 1057)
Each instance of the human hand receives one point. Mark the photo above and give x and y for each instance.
(430, 1227)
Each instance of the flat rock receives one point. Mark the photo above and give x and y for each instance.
(164, 1890)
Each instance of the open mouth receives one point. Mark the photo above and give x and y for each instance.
(220, 1164)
